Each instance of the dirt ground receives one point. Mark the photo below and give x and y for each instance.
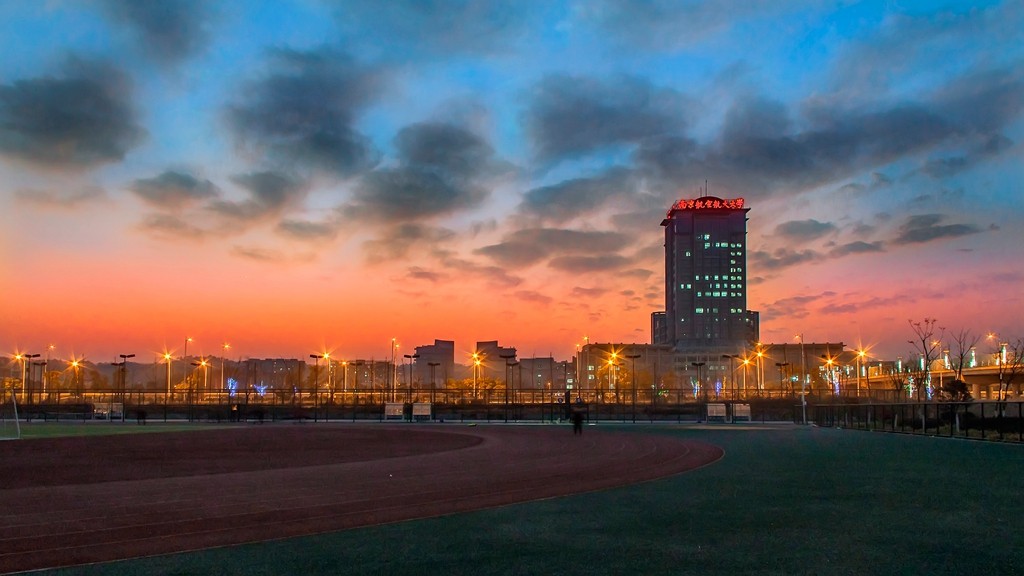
(69, 501)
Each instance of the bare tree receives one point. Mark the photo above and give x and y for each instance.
(1010, 362)
(926, 344)
(960, 345)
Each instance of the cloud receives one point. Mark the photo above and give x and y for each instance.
(416, 29)
(172, 227)
(442, 169)
(857, 247)
(173, 189)
(804, 230)
(81, 119)
(781, 258)
(529, 246)
(581, 292)
(577, 196)
(60, 199)
(306, 230)
(258, 254)
(669, 25)
(269, 193)
(533, 297)
(571, 116)
(396, 241)
(301, 112)
(418, 273)
(923, 228)
(586, 264)
(494, 276)
(168, 30)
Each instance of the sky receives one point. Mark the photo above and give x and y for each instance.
(295, 177)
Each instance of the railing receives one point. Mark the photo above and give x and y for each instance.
(988, 420)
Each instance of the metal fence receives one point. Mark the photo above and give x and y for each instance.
(989, 420)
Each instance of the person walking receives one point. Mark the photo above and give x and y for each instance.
(577, 422)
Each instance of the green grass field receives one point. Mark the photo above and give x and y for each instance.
(791, 500)
(32, 430)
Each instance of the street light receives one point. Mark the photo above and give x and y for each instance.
(476, 368)
(26, 392)
(206, 377)
(167, 360)
(184, 360)
(632, 359)
(700, 386)
(433, 382)
(316, 375)
(46, 368)
(225, 347)
(508, 371)
(408, 376)
(124, 378)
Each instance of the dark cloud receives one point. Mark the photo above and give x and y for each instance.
(639, 273)
(257, 254)
(670, 25)
(923, 228)
(582, 292)
(533, 297)
(172, 227)
(396, 241)
(993, 146)
(442, 169)
(585, 264)
(532, 245)
(803, 230)
(760, 150)
(794, 306)
(781, 258)
(857, 247)
(306, 230)
(577, 196)
(61, 199)
(173, 189)
(852, 305)
(570, 117)
(168, 30)
(495, 276)
(301, 112)
(81, 119)
(415, 29)
(418, 273)
(269, 194)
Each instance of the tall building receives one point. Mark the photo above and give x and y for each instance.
(435, 363)
(706, 278)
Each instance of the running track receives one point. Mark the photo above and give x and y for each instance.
(71, 501)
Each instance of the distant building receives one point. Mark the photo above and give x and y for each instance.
(706, 278)
(492, 358)
(434, 364)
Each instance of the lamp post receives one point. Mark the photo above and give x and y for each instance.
(201, 364)
(700, 386)
(433, 382)
(316, 376)
(46, 369)
(393, 370)
(476, 367)
(26, 390)
(508, 371)
(185, 360)
(124, 379)
(408, 377)
(223, 384)
(344, 379)
(760, 369)
(632, 359)
(167, 392)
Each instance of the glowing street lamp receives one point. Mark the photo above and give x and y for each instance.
(433, 381)
(184, 359)
(861, 354)
(632, 359)
(167, 360)
(225, 347)
(476, 368)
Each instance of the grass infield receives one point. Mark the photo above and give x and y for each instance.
(32, 430)
(790, 500)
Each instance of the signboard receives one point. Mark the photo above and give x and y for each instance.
(740, 412)
(422, 411)
(394, 410)
(716, 412)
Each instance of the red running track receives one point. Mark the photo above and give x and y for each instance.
(70, 501)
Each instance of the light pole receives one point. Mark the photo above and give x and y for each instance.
(223, 384)
(26, 390)
(393, 371)
(203, 364)
(760, 369)
(167, 392)
(700, 386)
(508, 371)
(316, 375)
(860, 363)
(185, 361)
(46, 369)
(124, 379)
(408, 376)
(632, 359)
(433, 382)
(803, 373)
(476, 367)
(344, 379)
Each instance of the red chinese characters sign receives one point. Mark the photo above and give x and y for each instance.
(707, 203)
